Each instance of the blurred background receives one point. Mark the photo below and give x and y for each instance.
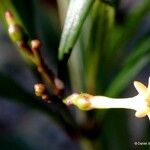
(22, 127)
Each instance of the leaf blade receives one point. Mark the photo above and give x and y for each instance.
(76, 15)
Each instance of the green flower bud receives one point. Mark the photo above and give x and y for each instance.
(16, 33)
(82, 103)
(10, 18)
(80, 100)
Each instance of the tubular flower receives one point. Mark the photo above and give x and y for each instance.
(140, 103)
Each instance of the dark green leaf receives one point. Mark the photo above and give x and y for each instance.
(58, 111)
(126, 75)
(115, 131)
(132, 65)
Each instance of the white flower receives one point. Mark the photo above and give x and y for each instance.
(140, 103)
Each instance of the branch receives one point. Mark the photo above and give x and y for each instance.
(32, 54)
(30, 50)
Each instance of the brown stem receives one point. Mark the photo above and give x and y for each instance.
(55, 83)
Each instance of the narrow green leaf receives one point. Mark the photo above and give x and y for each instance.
(141, 49)
(131, 66)
(126, 75)
(98, 46)
(77, 12)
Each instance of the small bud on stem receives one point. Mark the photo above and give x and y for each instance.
(32, 55)
(9, 18)
(35, 44)
(39, 89)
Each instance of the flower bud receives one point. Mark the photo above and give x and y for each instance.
(82, 103)
(39, 89)
(9, 18)
(16, 33)
(35, 44)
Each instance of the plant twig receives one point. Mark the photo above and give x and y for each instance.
(32, 54)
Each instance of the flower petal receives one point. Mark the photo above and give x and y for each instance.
(149, 84)
(141, 88)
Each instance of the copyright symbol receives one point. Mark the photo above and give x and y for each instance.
(135, 143)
